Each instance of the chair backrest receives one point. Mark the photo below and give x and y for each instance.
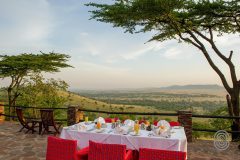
(109, 120)
(99, 151)
(21, 118)
(174, 123)
(61, 149)
(154, 154)
(47, 117)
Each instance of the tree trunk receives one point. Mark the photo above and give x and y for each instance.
(9, 92)
(233, 108)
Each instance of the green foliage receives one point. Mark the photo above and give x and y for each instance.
(23, 64)
(200, 134)
(219, 123)
(41, 92)
(170, 18)
(18, 67)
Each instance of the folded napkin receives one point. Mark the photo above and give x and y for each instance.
(163, 123)
(129, 123)
(163, 128)
(100, 119)
(122, 130)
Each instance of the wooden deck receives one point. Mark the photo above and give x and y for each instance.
(16, 145)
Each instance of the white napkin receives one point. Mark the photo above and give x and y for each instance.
(129, 123)
(100, 119)
(163, 128)
(163, 123)
(122, 130)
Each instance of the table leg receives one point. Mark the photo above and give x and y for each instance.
(40, 128)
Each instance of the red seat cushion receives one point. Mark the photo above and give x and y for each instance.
(109, 120)
(142, 121)
(154, 154)
(60, 149)
(99, 151)
(82, 154)
(173, 123)
(155, 123)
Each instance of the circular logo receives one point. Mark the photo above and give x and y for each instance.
(221, 140)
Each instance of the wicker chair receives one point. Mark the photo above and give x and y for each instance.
(99, 151)
(61, 149)
(155, 154)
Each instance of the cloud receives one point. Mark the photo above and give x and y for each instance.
(141, 50)
(27, 25)
(84, 34)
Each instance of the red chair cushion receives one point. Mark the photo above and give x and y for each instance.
(173, 123)
(109, 120)
(155, 123)
(142, 121)
(99, 151)
(154, 154)
(82, 154)
(61, 149)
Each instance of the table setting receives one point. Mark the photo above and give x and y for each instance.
(130, 133)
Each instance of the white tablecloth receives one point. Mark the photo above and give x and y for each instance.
(177, 141)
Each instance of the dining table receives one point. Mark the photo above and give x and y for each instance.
(176, 141)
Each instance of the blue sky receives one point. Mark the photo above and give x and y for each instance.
(103, 57)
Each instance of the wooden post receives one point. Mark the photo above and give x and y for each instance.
(71, 115)
(185, 118)
(1, 112)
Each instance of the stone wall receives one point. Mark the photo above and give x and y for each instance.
(185, 118)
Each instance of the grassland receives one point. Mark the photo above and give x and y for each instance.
(199, 101)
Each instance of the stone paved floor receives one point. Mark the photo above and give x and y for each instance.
(16, 145)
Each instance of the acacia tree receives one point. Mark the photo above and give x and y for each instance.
(194, 22)
(18, 67)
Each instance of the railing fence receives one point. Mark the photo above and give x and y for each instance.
(184, 117)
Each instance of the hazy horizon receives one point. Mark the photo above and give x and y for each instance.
(103, 57)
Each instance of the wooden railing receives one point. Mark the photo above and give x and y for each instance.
(184, 117)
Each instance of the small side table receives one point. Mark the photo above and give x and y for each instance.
(39, 122)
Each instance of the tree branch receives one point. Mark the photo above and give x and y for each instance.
(224, 58)
(230, 56)
(215, 68)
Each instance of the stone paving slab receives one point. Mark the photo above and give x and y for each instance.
(16, 145)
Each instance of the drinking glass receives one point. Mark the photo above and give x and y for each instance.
(136, 127)
(86, 119)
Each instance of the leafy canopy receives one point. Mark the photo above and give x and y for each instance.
(170, 18)
(23, 64)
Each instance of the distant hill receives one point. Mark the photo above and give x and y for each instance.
(192, 87)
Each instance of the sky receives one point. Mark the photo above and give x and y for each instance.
(103, 57)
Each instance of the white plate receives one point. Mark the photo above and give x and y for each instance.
(177, 127)
(99, 130)
(87, 123)
(134, 134)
